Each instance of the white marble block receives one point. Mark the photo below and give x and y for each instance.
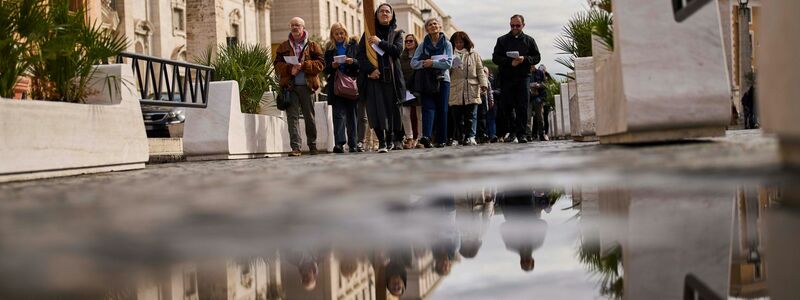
(40, 139)
(566, 128)
(584, 112)
(665, 80)
(222, 131)
(557, 116)
(778, 93)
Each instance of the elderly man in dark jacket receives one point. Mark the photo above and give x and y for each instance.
(514, 54)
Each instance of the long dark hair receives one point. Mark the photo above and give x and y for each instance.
(460, 35)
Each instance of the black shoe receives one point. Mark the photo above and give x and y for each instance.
(426, 142)
(440, 145)
(312, 150)
(493, 140)
(522, 140)
(338, 149)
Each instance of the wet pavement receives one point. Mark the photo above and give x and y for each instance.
(553, 220)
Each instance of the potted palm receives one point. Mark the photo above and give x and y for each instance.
(576, 42)
(90, 119)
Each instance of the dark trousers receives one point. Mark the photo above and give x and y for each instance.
(516, 95)
(537, 126)
(301, 103)
(345, 123)
(464, 121)
(434, 111)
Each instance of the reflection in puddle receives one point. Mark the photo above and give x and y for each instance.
(570, 243)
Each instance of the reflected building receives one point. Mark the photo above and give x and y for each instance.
(422, 279)
(748, 261)
(660, 239)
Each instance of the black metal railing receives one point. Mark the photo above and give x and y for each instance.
(695, 289)
(683, 9)
(163, 82)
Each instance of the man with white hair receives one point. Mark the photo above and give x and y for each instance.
(298, 61)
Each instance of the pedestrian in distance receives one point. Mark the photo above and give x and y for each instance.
(340, 60)
(299, 61)
(514, 54)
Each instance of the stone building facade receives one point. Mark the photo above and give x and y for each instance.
(182, 29)
(411, 16)
(319, 16)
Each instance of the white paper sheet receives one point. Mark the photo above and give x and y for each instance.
(340, 59)
(292, 60)
(512, 54)
(439, 57)
(410, 96)
(378, 49)
(457, 62)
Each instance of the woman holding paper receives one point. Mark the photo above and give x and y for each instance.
(380, 80)
(468, 82)
(340, 53)
(436, 53)
(408, 109)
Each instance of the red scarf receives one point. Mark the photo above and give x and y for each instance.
(297, 46)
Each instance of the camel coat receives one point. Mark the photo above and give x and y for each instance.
(466, 80)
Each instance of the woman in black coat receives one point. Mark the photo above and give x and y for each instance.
(344, 109)
(381, 82)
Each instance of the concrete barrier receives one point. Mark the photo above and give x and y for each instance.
(584, 107)
(778, 95)
(665, 80)
(43, 139)
(222, 131)
(566, 131)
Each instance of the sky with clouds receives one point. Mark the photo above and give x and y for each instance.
(485, 20)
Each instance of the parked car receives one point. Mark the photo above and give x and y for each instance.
(161, 121)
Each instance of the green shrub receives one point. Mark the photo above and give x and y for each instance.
(63, 59)
(250, 66)
(21, 28)
(576, 37)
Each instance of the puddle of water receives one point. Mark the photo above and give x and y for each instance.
(573, 242)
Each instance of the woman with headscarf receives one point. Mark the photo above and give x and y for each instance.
(436, 53)
(381, 82)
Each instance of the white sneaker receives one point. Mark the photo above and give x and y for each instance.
(471, 142)
(454, 143)
(383, 150)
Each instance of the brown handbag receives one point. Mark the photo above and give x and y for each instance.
(345, 86)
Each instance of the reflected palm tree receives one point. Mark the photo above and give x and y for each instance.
(607, 268)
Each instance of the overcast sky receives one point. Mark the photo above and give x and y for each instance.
(486, 20)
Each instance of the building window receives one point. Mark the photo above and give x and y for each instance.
(337, 14)
(353, 24)
(345, 19)
(330, 22)
(178, 22)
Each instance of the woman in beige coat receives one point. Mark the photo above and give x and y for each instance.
(467, 83)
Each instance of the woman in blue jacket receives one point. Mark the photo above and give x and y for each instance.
(436, 52)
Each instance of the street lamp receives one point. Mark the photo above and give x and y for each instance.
(426, 13)
(743, 3)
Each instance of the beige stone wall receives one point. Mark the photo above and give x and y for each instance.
(318, 15)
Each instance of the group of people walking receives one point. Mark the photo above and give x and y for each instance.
(382, 79)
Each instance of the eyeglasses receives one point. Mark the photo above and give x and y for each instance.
(516, 25)
(409, 42)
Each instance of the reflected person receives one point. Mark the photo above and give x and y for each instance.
(523, 231)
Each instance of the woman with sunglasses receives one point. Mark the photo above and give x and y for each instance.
(408, 109)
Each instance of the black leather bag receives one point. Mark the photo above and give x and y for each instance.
(282, 100)
(426, 81)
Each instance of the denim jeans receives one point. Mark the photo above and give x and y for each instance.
(345, 122)
(434, 112)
